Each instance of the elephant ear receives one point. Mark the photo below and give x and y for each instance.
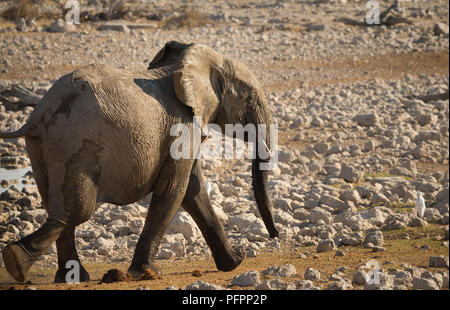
(170, 54)
(199, 82)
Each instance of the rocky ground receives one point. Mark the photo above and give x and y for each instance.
(363, 116)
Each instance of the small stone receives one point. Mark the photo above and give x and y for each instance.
(380, 281)
(375, 238)
(351, 174)
(359, 277)
(312, 274)
(378, 249)
(424, 284)
(200, 285)
(339, 253)
(305, 285)
(439, 261)
(366, 120)
(286, 270)
(320, 214)
(441, 29)
(325, 245)
(316, 27)
(436, 277)
(321, 148)
(340, 285)
(251, 254)
(272, 284)
(250, 278)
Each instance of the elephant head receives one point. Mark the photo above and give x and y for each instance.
(223, 91)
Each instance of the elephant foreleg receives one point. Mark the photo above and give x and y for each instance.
(196, 202)
(159, 216)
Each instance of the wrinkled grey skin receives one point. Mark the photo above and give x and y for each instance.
(103, 135)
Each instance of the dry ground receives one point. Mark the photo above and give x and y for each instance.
(400, 253)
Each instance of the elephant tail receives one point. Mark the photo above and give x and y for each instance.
(29, 129)
(15, 134)
(25, 130)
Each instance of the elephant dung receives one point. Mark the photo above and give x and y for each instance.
(114, 275)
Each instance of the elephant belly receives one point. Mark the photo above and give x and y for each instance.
(129, 170)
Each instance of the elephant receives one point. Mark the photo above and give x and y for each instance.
(101, 135)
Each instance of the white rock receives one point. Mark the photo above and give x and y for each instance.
(102, 243)
(286, 270)
(166, 254)
(424, 284)
(38, 215)
(305, 285)
(250, 278)
(272, 284)
(184, 224)
(375, 238)
(351, 174)
(359, 277)
(325, 245)
(380, 281)
(441, 29)
(439, 261)
(312, 274)
(200, 285)
(367, 120)
(244, 221)
(320, 214)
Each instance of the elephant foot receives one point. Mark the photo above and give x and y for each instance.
(145, 272)
(230, 262)
(61, 274)
(17, 262)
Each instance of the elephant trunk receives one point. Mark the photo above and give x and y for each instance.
(260, 176)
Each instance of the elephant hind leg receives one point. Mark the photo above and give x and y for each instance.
(71, 201)
(20, 256)
(80, 201)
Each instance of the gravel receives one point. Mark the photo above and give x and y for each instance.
(363, 138)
